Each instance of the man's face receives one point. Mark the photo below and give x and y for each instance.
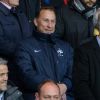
(46, 21)
(12, 3)
(89, 3)
(3, 77)
(49, 92)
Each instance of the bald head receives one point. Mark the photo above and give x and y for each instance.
(48, 90)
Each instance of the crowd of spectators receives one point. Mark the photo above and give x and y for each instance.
(51, 49)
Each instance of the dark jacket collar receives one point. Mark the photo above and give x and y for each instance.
(50, 38)
(4, 9)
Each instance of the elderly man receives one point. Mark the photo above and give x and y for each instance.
(7, 92)
(86, 70)
(76, 21)
(45, 56)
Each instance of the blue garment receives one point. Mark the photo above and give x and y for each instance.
(47, 1)
(44, 57)
(14, 28)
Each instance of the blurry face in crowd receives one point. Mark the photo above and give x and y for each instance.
(3, 77)
(48, 92)
(12, 3)
(89, 3)
(46, 21)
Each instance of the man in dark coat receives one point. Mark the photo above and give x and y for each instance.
(14, 27)
(45, 56)
(76, 21)
(7, 91)
(86, 69)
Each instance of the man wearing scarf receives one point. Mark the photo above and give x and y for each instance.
(86, 69)
(75, 23)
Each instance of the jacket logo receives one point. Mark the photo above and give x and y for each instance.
(60, 52)
(36, 51)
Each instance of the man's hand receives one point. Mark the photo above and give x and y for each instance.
(63, 88)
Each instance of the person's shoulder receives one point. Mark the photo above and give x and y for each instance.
(63, 43)
(29, 40)
(66, 9)
(14, 93)
(88, 45)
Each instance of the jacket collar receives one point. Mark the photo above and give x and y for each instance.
(4, 9)
(49, 38)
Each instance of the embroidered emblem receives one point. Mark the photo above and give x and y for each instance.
(60, 52)
(36, 51)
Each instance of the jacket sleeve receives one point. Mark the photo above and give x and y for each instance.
(81, 76)
(7, 47)
(27, 70)
(68, 75)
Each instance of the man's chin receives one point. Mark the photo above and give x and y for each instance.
(4, 88)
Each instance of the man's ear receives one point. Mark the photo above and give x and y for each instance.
(35, 21)
(36, 96)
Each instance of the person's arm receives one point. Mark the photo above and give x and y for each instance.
(7, 47)
(66, 84)
(82, 89)
(27, 68)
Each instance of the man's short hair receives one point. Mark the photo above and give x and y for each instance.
(44, 82)
(3, 61)
(45, 8)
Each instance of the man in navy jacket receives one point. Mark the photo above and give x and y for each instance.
(14, 27)
(45, 56)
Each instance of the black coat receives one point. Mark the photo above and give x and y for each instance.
(73, 26)
(86, 71)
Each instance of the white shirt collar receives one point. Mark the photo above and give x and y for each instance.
(6, 5)
(1, 96)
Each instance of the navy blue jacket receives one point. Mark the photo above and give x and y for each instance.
(13, 29)
(44, 57)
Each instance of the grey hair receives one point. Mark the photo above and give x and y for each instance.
(3, 61)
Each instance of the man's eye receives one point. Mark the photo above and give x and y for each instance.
(56, 98)
(46, 20)
(47, 97)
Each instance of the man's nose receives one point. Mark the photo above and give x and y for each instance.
(50, 24)
(5, 77)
